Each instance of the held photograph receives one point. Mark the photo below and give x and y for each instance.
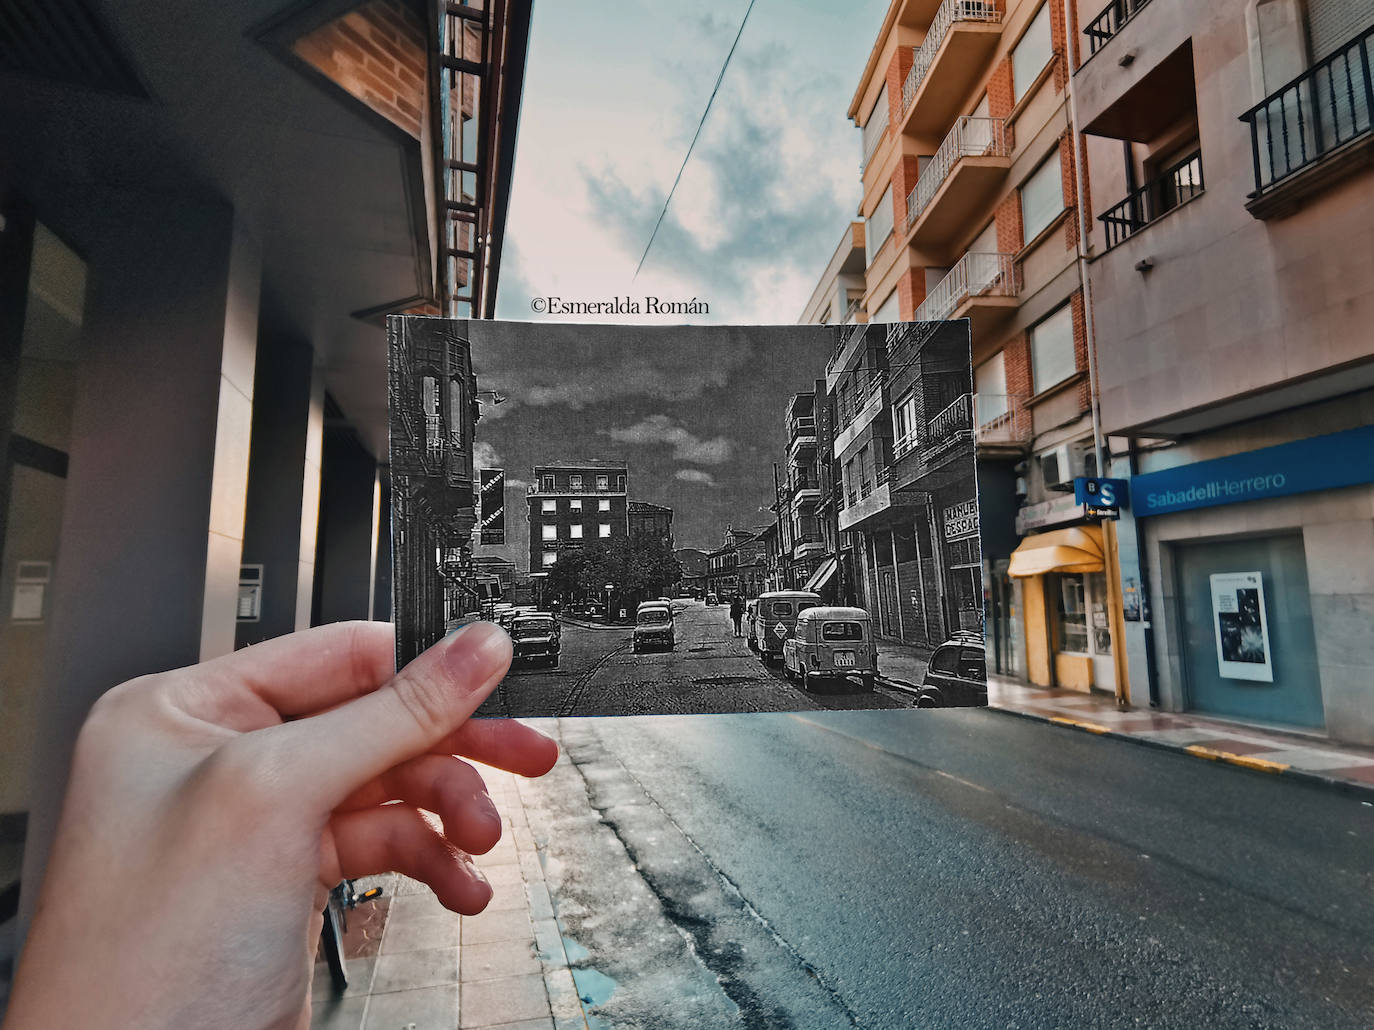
(674, 520)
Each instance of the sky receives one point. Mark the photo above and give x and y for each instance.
(697, 413)
(612, 95)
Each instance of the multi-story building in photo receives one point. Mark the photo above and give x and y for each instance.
(1232, 277)
(970, 208)
(650, 522)
(799, 532)
(575, 503)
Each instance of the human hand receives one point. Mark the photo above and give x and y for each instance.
(211, 808)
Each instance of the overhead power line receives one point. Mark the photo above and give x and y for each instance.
(687, 157)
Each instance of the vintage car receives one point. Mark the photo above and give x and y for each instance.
(831, 643)
(956, 675)
(535, 638)
(654, 627)
(775, 614)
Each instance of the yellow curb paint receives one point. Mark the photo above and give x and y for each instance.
(1262, 764)
(1078, 724)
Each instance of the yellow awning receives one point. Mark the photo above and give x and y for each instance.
(1077, 549)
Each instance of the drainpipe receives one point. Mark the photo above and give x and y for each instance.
(1116, 626)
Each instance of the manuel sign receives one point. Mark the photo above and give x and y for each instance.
(1318, 463)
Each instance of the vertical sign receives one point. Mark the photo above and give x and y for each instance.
(1241, 626)
(492, 501)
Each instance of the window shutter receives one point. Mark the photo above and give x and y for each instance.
(1333, 23)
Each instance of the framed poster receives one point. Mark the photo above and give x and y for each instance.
(1241, 627)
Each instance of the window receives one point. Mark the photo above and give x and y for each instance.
(879, 225)
(548, 532)
(604, 504)
(1051, 345)
(865, 470)
(945, 659)
(1032, 53)
(575, 531)
(1042, 197)
(548, 506)
(575, 504)
(781, 609)
(904, 424)
(550, 558)
(546, 482)
(842, 631)
(888, 310)
(575, 482)
(990, 389)
(1071, 614)
(876, 125)
(603, 482)
(604, 530)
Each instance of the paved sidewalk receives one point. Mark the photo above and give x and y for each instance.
(1303, 756)
(413, 965)
(903, 665)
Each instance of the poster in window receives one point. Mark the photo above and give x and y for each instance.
(1242, 628)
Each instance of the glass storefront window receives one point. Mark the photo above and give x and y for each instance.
(1071, 614)
(1097, 604)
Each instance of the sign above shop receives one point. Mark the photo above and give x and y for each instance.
(1318, 463)
(1102, 498)
(961, 520)
(1056, 512)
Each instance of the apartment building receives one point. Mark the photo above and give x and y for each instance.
(971, 210)
(575, 503)
(1232, 277)
(800, 540)
(648, 521)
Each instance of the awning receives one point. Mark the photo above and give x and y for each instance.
(823, 575)
(1077, 549)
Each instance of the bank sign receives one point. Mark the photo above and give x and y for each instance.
(1318, 463)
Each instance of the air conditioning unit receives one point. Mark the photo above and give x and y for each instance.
(1059, 467)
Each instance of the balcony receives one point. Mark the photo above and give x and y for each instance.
(1172, 188)
(809, 543)
(1001, 420)
(851, 408)
(1107, 24)
(947, 64)
(564, 491)
(953, 424)
(873, 498)
(1313, 131)
(966, 170)
(982, 287)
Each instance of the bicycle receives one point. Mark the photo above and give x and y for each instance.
(341, 899)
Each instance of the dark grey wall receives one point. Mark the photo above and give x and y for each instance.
(272, 523)
(343, 553)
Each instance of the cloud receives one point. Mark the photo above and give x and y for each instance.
(696, 476)
(484, 456)
(660, 429)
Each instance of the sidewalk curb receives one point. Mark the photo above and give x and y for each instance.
(1255, 765)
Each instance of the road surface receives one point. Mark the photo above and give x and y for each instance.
(952, 868)
(710, 670)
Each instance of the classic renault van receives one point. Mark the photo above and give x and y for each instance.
(775, 613)
(831, 644)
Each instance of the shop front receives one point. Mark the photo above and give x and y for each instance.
(1266, 583)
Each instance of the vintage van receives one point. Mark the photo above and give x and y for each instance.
(831, 643)
(775, 613)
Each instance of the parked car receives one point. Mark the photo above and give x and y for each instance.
(712, 599)
(775, 616)
(956, 675)
(535, 638)
(831, 643)
(654, 627)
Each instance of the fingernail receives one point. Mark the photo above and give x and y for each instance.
(477, 652)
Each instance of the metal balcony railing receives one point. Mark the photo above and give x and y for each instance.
(1109, 22)
(970, 137)
(973, 275)
(801, 425)
(849, 408)
(955, 421)
(1326, 107)
(1001, 418)
(1173, 187)
(905, 445)
(950, 13)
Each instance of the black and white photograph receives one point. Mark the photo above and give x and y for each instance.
(691, 519)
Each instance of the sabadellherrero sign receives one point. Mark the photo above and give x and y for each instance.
(1317, 463)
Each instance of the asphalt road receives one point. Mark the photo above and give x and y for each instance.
(709, 670)
(950, 868)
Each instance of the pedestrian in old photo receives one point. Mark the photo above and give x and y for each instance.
(737, 613)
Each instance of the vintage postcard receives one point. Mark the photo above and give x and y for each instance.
(692, 519)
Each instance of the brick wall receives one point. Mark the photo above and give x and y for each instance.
(903, 182)
(377, 54)
(911, 292)
(1008, 220)
(1075, 37)
(897, 70)
(1067, 164)
(1000, 95)
(1080, 350)
(1058, 42)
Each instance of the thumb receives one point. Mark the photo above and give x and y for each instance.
(340, 750)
